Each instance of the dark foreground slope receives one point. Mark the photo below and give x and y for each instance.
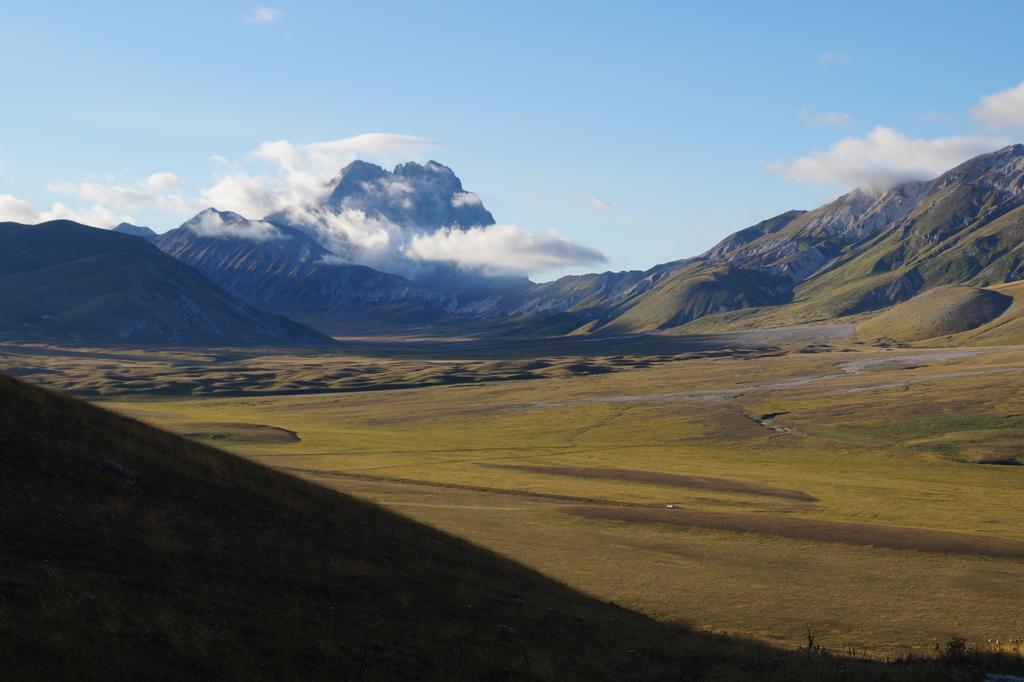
(129, 553)
(61, 281)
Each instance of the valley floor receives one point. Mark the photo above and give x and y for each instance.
(872, 495)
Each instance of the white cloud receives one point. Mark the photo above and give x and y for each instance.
(501, 249)
(386, 148)
(833, 58)
(301, 177)
(295, 179)
(1001, 110)
(262, 14)
(351, 234)
(829, 118)
(301, 173)
(96, 215)
(596, 202)
(21, 211)
(155, 193)
(212, 224)
(883, 158)
(16, 210)
(466, 199)
(163, 180)
(242, 193)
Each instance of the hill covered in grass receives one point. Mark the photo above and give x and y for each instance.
(130, 553)
(865, 251)
(943, 311)
(1005, 330)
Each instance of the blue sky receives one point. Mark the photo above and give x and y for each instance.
(647, 131)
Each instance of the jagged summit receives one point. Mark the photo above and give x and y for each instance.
(414, 196)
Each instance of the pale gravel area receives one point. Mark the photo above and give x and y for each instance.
(846, 369)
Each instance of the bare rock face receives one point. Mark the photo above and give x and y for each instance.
(416, 197)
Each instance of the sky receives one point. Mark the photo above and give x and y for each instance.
(641, 132)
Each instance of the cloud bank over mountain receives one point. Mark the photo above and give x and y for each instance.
(212, 223)
(390, 220)
(396, 221)
(399, 220)
(500, 249)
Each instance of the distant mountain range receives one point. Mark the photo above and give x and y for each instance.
(862, 252)
(865, 251)
(61, 281)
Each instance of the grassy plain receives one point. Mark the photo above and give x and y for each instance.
(835, 488)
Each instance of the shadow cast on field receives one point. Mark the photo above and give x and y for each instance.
(863, 534)
(725, 485)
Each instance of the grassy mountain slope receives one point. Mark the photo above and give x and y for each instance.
(61, 281)
(695, 292)
(967, 231)
(129, 553)
(865, 251)
(943, 311)
(1005, 330)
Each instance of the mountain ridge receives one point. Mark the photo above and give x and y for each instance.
(61, 280)
(862, 252)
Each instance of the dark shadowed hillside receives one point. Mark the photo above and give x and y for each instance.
(129, 553)
(61, 281)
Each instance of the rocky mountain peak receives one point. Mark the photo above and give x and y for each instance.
(414, 196)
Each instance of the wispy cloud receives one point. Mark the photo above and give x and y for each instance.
(827, 58)
(466, 199)
(596, 202)
(262, 14)
(209, 223)
(883, 158)
(1001, 110)
(829, 118)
